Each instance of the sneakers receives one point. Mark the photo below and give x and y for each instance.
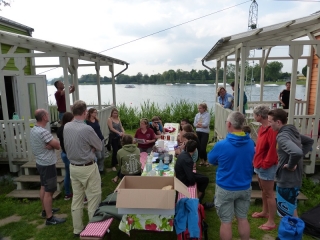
(208, 205)
(54, 210)
(68, 196)
(54, 221)
(85, 200)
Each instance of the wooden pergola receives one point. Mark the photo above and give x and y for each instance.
(237, 48)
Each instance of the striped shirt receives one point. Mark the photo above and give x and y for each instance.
(79, 139)
(39, 138)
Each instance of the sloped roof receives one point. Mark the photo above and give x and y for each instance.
(56, 48)
(285, 31)
(16, 24)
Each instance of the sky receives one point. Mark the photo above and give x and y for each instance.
(98, 25)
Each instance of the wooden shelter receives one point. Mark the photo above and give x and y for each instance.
(22, 91)
(304, 115)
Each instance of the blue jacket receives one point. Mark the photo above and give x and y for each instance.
(187, 217)
(225, 101)
(234, 156)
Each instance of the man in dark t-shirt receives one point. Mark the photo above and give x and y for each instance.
(284, 96)
(60, 97)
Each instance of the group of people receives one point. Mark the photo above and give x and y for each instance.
(277, 155)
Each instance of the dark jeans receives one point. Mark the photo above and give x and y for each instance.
(202, 183)
(115, 144)
(67, 169)
(203, 139)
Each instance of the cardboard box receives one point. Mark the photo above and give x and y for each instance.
(144, 195)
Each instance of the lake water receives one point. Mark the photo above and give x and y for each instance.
(163, 94)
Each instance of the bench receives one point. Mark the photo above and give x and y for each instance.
(96, 230)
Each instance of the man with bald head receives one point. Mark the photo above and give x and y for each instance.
(43, 147)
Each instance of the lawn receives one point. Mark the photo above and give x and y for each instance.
(31, 225)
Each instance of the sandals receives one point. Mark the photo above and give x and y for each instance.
(267, 228)
(259, 215)
(114, 181)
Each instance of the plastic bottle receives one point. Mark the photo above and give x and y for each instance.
(149, 164)
(160, 167)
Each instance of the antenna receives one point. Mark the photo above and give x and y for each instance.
(253, 15)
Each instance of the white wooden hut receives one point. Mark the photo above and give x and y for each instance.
(295, 34)
(22, 91)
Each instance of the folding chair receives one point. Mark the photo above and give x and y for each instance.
(255, 127)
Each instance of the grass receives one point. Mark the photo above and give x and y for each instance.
(31, 224)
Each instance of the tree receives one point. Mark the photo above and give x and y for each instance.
(273, 70)
(304, 70)
(4, 3)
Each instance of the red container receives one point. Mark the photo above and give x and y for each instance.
(162, 137)
(168, 137)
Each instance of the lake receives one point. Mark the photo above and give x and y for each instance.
(163, 94)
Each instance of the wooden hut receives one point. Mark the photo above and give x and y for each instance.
(295, 34)
(22, 91)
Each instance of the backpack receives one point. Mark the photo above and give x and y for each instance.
(203, 226)
(290, 228)
(311, 220)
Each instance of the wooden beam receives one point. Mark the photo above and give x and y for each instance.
(256, 32)
(287, 24)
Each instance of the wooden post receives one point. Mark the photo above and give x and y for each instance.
(295, 51)
(224, 71)
(97, 66)
(64, 61)
(244, 54)
(111, 69)
(217, 78)
(236, 77)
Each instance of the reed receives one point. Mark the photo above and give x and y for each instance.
(172, 113)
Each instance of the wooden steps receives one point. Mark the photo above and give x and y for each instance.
(32, 194)
(23, 179)
(30, 168)
(257, 194)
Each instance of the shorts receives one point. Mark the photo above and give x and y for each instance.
(48, 177)
(230, 203)
(266, 174)
(286, 201)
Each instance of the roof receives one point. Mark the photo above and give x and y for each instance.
(285, 31)
(56, 49)
(17, 25)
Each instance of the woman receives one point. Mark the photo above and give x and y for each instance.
(183, 122)
(116, 133)
(265, 165)
(146, 136)
(202, 122)
(67, 117)
(128, 158)
(93, 121)
(185, 138)
(224, 98)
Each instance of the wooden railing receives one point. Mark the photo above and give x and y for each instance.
(306, 124)
(300, 106)
(13, 138)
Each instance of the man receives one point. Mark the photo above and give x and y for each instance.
(225, 99)
(60, 97)
(184, 171)
(244, 98)
(43, 147)
(291, 147)
(80, 143)
(233, 156)
(284, 96)
(155, 126)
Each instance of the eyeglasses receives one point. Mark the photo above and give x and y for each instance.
(156, 122)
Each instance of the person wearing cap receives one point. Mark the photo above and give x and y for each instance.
(224, 98)
(284, 96)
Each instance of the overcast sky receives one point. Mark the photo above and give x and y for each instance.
(97, 25)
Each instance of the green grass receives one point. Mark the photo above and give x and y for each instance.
(31, 224)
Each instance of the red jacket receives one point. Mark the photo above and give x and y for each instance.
(266, 152)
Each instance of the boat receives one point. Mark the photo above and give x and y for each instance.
(188, 83)
(129, 86)
(177, 83)
(169, 84)
(201, 85)
(267, 85)
(221, 84)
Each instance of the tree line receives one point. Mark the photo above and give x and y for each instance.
(272, 73)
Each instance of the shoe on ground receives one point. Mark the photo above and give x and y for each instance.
(68, 196)
(54, 210)
(208, 205)
(76, 235)
(114, 169)
(85, 200)
(54, 221)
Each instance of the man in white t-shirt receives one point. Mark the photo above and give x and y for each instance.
(43, 147)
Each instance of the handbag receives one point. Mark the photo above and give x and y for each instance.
(290, 228)
(15, 116)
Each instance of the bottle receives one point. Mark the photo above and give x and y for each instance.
(160, 167)
(149, 164)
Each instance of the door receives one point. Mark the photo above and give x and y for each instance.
(35, 88)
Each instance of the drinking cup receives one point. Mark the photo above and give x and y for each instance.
(172, 138)
(229, 99)
(161, 172)
(168, 137)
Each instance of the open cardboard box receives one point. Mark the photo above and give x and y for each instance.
(144, 195)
